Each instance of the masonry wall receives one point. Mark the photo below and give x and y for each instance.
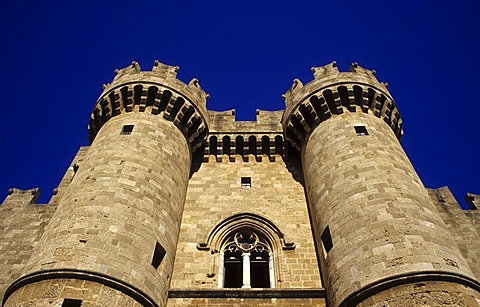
(382, 222)
(215, 194)
(22, 223)
(463, 225)
(127, 196)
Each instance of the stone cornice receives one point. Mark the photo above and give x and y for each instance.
(157, 92)
(247, 293)
(332, 93)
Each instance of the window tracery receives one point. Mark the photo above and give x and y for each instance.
(246, 261)
(227, 243)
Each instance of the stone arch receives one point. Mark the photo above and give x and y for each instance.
(221, 233)
(245, 220)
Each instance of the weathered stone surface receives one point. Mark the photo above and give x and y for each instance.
(375, 224)
(143, 216)
(463, 226)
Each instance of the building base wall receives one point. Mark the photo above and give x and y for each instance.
(53, 293)
(431, 293)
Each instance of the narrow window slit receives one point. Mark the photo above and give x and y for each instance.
(327, 240)
(158, 255)
(69, 302)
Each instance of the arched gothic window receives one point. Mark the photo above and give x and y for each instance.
(246, 248)
(246, 261)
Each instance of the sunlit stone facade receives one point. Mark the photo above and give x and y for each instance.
(176, 205)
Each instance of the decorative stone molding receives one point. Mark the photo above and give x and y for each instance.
(332, 93)
(157, 92)
(247, 293)
(220, 234)
(245, 220)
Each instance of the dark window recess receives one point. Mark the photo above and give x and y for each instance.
(361, 130)
(69, 302)
(158, 255)
(327, 240)
(246, 182)
(260, 274)
(127, 129)
(233, 269)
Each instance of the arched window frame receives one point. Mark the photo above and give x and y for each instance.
(252, 255)
(219, 236)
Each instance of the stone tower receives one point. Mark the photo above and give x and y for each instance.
(177, 205)
(117, 225)
(377, 231)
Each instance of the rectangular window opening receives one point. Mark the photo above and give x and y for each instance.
(327, 240)
(361, 130)
(246, 182)
(127, 129)
(158, 255)
(69, 302)
(233, 270)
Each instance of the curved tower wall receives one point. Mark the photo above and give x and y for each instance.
(128, 195)
(373, 219)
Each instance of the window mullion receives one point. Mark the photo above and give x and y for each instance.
(246, 270)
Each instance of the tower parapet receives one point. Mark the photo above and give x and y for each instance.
(158, 92)
(332, 93)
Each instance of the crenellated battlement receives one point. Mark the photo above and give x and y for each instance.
(29, 196)
(158, 92)
(265, 121)
(245, 140)
(473, 201)
(160, 73)
(333, 92)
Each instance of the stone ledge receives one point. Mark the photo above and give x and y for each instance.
(247, 293)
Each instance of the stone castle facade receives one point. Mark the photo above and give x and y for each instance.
(176, 205)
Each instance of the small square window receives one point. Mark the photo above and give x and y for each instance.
(68, 302)
(246, 182)
(361, 130)
(127, 129)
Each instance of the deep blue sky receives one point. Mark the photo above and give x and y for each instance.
(57, 54)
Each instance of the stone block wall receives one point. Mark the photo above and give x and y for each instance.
(463, 225)
(23, 222)
(215, 194)
(364, 191)
(126, 196)
(266, 121)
